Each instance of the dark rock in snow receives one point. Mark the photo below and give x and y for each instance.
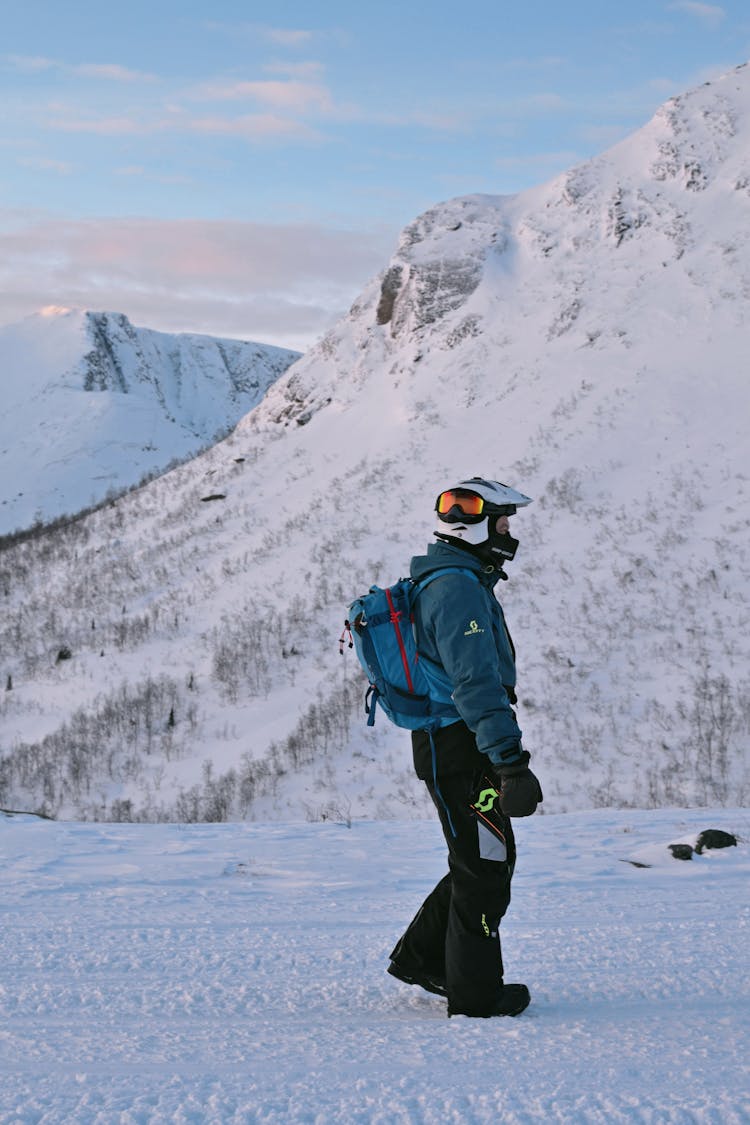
(714, 838)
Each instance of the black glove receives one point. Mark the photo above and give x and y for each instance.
(520, 792)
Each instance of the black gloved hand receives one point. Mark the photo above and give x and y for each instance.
(520, 791)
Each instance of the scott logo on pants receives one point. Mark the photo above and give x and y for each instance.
(486, 800)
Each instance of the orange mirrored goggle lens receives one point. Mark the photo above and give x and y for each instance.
(470, 505)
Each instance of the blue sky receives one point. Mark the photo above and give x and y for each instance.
(244, 168)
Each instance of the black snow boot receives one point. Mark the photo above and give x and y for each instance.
(414, 975)
(511, 1002)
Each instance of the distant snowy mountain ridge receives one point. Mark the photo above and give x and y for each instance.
(92, 404)
(584, 341)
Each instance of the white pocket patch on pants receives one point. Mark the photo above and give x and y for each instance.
(490, 845)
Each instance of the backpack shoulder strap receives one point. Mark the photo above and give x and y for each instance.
(423, 582)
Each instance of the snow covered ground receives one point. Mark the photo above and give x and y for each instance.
(235, 973)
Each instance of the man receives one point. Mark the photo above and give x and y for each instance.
(474, 765)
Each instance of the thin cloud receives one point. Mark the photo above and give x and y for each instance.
(255, 127)
(292, 95)
(107, 126)
(286, 36)
(286, 281)
(109, 72)
(43, 164)
(282, 108)
(305, 71)
(710, 14)
(29, 64)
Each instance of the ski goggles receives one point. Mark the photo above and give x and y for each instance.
(470, 504)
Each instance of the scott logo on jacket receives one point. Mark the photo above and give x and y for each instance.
(473, 629)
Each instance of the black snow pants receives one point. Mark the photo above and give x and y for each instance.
(454, 935)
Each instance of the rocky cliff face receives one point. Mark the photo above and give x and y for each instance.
(664, 213)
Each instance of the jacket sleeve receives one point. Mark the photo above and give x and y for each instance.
(456, 616)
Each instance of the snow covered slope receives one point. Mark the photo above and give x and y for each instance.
(236, 973)
(585, 342)
(91, 403)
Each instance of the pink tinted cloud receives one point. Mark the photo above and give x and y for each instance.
(111, 72)
(282, 284)
(257, 127)
(709, 13)
(292, 95)
(107, 126)
(287, 36)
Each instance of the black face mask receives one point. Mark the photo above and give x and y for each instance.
(494, 552)
(503, 547)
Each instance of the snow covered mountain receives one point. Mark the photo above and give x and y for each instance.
(93, 404)
(586, 342)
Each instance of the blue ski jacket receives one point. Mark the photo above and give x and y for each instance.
(461, 628)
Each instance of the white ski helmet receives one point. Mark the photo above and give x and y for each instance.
(465, 510)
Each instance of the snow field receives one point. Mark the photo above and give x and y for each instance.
(235, 973)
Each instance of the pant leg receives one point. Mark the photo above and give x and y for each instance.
(481, 869)
(422, 946)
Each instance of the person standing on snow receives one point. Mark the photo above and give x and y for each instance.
(474, 767)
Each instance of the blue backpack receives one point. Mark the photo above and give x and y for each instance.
(414, 692)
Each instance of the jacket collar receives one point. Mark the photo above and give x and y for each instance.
(445, 554)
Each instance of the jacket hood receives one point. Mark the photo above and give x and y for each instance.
(441, 555)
